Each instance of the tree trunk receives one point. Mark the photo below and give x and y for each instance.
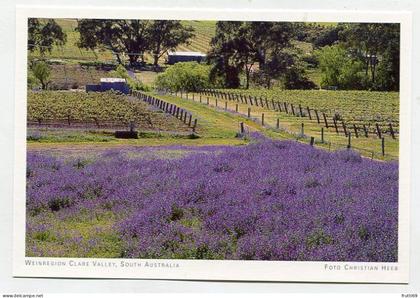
(367, 67)
(155, 61)
(247, 78)
(133, 59)
(373, 69)
(118, 58)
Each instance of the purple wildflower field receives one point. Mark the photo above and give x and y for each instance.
(269, 200)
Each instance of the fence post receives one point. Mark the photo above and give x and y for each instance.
(383, 146)
(242, 127)
(349, 142)
(195, 125)
(200, 97)
(322, 135)
(189, 120)
(293, 109)
(207, 100)
(262, 119)
(225, 105)
(302, 130)
(300, 111)
(236, 108)
(312, 141)
(278, 123)
(249, 112)
(216, 101)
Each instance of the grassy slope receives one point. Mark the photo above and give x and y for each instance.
(204, 31)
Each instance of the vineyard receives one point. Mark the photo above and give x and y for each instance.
(286, 120)
(70, 109)
(358, 107)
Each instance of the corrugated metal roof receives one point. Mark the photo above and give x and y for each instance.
(112, 80)
(187, 54)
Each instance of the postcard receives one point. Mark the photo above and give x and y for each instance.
(246, 145)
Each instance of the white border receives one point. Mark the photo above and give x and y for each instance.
(206, 269)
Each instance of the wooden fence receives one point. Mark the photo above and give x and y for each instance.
(336, 122)
(169, 108)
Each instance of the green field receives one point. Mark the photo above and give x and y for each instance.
(204, 31)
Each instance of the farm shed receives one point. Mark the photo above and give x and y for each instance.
(116, 84)
(174, 57)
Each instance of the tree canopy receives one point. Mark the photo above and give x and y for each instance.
(133, 37)
(259, 48)
(43, 34)
(377, 46)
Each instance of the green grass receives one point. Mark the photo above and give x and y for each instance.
(147, 77)
(213, 123)
(315, 75)
(120, 143)
(66, 234)
(290, 126)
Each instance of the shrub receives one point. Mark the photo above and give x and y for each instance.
(189, 76)
(295, 78)
(42, 72)
(339, 69)
(134, 84)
